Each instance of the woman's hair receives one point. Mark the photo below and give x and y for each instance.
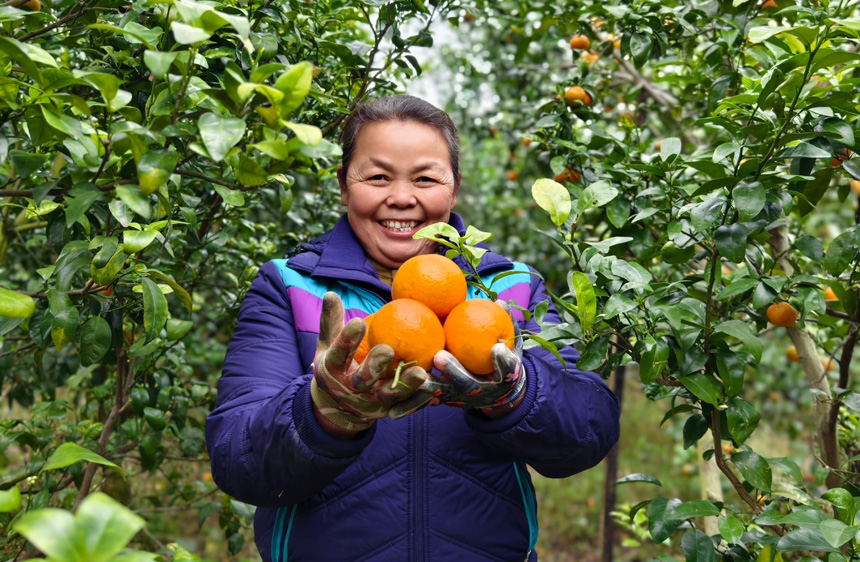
(400, 108)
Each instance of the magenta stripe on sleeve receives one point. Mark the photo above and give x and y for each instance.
(307, 308)
(519, 293)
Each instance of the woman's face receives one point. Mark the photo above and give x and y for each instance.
(399, 181)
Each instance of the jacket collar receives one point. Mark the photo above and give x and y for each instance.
(338, 255)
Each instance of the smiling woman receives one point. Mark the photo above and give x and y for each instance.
(399, 180)
(342, 464)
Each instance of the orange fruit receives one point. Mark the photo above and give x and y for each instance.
(364, 346)
(590, 57)
(617, 44)
(513, 175)
(782, 315)
(433, 280)
(576, 95)
(527, 142)
(568, 175)
(828, 366)
(471, 331)
(830, 295)
(769, 4)
(580, 43)
(411, 329)
(33, 5)
(792, 355)
(855, 186)
(207, 477)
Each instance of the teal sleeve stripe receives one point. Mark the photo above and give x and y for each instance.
(505, 283)
(531, 507)
(353, 299)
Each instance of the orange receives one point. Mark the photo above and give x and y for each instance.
(364, 346)
(568, 175)
(33, 5)
(782, 315)
(471, 331)
(580, 43)
(575, 94)
(590, 57)
(433, 280)
(513, 175)
(830, 295)
(855, 186)
(792, 355)
(828, 365)
(617, 44)
(411, 329)
(769, 4)
(527, 142)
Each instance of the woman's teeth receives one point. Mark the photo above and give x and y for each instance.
(399, 226)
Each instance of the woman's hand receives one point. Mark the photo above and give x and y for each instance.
(495, 394)
(350, 396)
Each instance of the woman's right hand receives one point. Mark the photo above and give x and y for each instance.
(349, 396)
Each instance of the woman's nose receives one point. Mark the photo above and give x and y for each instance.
(401, 194)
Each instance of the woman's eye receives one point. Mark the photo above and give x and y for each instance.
(377, 177)
(425, 179)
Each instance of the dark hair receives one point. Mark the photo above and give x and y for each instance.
(400, 108)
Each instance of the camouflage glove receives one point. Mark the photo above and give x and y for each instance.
(497, 391)
(352, 396)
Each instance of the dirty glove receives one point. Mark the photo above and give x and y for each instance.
(497, 391)
(352, 396)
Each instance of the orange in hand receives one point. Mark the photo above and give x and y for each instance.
(411, 329)
(471, 331)
(364, 346)
(433, 280)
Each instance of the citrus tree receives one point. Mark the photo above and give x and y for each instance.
(692, 163)
(152, 155)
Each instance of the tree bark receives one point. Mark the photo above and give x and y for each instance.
(709, 477)
(607, 524)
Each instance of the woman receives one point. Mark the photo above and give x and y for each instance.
(341, 466)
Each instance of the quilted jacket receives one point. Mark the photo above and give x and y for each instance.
(443, 484)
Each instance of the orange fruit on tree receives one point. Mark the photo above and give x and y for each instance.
(830, 294)
(433, 280)
(568, 175)
(575, 94)
(32, 5)
(828, 366)
(526, 142)
(769, 4)
(782, 315)
(411, 329)
(364, 346)
(792, 355)
(855, 186)
(580, 43)
(471, 331)
(590, 57)
(513, 175)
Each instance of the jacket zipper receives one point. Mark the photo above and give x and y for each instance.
(419, 483)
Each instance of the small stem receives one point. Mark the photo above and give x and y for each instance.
(397, 372)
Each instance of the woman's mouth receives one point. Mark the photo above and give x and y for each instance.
(400, 226)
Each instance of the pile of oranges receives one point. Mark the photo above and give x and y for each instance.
(429, 312)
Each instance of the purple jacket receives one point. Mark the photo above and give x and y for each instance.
(443, 484)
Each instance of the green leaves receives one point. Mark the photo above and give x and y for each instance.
(553, 198)
(220, 134)
(295, 84)
(15, 305)
(68, 454)
(154, 309)
(154, 169)
(95, 340)
(99, 531)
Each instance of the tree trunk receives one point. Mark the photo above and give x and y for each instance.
(607, 524)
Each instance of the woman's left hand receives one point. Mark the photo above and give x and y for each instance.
(496, 392)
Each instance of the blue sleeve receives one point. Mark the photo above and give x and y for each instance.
(265, 445)
(568, 420)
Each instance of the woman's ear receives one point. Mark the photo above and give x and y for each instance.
(341, 179)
